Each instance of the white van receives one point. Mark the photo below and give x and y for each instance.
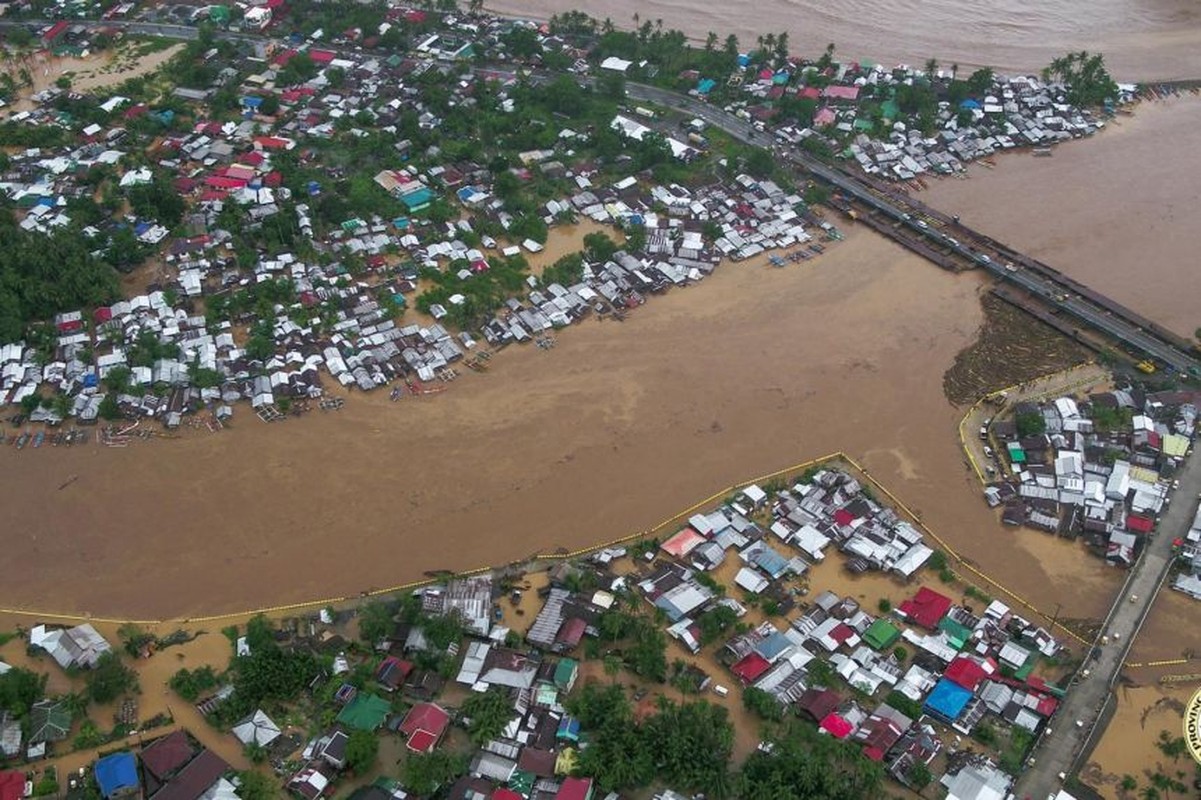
(720, 690)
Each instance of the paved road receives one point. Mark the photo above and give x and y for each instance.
(1039, 284)
(1058, 753)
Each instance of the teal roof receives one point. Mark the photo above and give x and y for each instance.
(365, 712)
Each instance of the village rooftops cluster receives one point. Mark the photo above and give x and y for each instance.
(343, 325)
(969, 666)
(1101, 468)
(1014, 111)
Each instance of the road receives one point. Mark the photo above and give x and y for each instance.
(1059, 752)
(1104, 315)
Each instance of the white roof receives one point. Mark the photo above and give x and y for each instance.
(258, 728)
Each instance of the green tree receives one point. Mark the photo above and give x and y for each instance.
(1030, 423)
(89, 736)
(487, 713)
(362, 749)
(254, 785)
(423, 774)
(110, 678)
(20, 688)
(762, 704)
(375, 621)
(980, 82)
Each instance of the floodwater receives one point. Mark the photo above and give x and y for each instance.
(1129, 744)
(1111, 211)
(1141, 39)
(616, 427)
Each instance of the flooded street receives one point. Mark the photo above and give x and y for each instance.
(1141, 40)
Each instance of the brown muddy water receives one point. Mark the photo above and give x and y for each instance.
(1141, 39)
(1118, 212)
(618, 426)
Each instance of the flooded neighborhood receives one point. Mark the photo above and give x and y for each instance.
(450, 405)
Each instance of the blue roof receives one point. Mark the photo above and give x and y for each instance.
(969, 104)
(743, 60)
(251, 101)
(771, 562)
(706, 85)
(773, 645)
(116, 772)
(569, 728)
(466, 192)
(947, 700)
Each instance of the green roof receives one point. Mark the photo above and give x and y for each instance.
(1016, 454)
(50, 721)
(957, 634)
(365, 712)
(565, 672)
(522, 782)
(881, 634)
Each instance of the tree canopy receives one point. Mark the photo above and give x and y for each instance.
(1084, 74)
(110, 678)
(487, 713)
(20, 688)
(804, 765)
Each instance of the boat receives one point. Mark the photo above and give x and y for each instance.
(22, 440)
(1043, 152)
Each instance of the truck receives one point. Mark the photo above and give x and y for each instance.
(644, 112)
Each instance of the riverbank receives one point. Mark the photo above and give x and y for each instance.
(753, 369)
(1158, 42)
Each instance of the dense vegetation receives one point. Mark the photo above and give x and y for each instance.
(42, 275)
(689, 746)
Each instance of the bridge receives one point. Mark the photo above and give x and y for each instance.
(942, 239)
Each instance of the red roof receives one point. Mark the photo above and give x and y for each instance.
(843, 517)
(273, 179)
(1046, 706)
(321, 56)
(572, 632)
(167, 754)
(12, 785)
(221, 182)
(809, 93)
(271, 142)
(70, 326)
(285, 56)
(818, 703)
(926, 608)
(966, 673)
(56, 30)
(750, 667)
(836, 726)
(254, 158)
(575, 789)
(424, 725)
(414, 15)
(1139, 524)
(506, 794)
(422, 741)
(102, 314)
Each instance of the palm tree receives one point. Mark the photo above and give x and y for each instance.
(954, 71)
(710, 42)
(931, 67)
